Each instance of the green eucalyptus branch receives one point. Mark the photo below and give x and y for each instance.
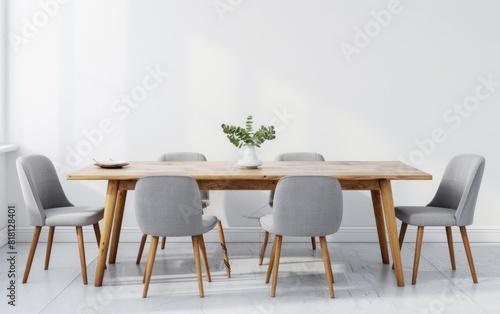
(239, 136)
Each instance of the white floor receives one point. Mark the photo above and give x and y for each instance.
(362, 283)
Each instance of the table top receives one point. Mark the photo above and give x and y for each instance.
(270, 170)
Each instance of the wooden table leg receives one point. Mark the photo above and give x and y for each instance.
(117, 225)
(392, 232)
(107, 225)
(379, 220)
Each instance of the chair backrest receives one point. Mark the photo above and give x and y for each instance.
(168, 206)
(307, 206)
(187, 156)
(183, 156)
(459, 187)
(299, 156)
(40, 186)
(295, 156)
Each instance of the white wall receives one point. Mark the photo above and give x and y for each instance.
(3, 202)
(3, 180)
(307, 66)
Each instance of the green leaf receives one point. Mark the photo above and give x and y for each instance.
(239, 136)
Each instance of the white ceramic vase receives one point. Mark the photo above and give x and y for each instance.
(249, 159)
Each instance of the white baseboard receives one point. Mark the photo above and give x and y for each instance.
(254, 234)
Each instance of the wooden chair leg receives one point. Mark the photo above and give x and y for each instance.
(224, 248)
(276, 265)
(163, 241)
(271, 263)
(34, 242)
(468, 252)
(83, 263)
(196, 251)
(449, 236)
(50, 239)
(263, 247)
(328, 264)
(149, 265)
(143, 241)
(204, 257)
(97, 233)
(418, 248)
(313, 242)
(141, 248)
(402, 233)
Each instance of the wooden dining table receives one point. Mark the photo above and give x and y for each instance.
(374, 176)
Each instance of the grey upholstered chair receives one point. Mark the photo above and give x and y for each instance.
(47, 205)
(188, 156)
(453, 205)
(293, 156)
(304, 206)
(205, 201)
(170, 206)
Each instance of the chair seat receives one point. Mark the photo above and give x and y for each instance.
(73, 216)
(267, 223)
(209, 222)
(426, 215)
